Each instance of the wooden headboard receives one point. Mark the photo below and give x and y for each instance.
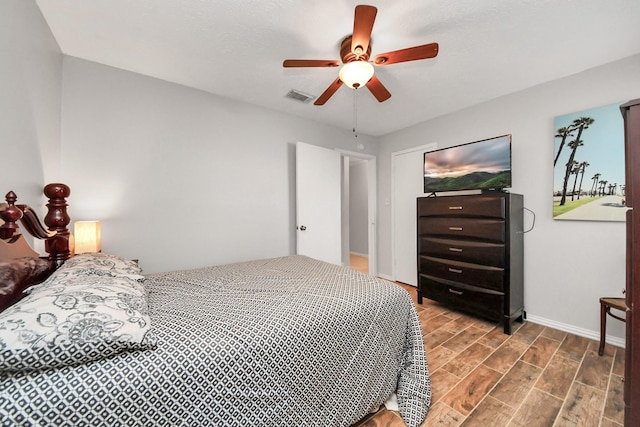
(54, 232)
(21, 266)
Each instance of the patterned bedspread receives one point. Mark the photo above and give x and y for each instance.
(281, 342)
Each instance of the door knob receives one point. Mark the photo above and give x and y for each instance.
(302, 227)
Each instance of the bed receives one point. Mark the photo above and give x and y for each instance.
(90, 340)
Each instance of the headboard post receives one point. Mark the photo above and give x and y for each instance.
(10, 216)
(57, 220)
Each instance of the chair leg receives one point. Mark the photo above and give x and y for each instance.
(603, 328)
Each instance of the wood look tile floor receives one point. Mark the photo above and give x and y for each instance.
(359, 263)
(538, 376)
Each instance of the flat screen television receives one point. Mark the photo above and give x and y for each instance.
(480, 165)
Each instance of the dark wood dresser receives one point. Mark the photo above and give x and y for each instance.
(631, 115)
(470, 254)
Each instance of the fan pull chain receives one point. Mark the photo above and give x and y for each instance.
(355, 112)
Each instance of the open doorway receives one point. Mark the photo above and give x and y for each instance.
(358, 215)
(359, 209)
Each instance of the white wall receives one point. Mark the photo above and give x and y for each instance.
(181, 178)
(30, 81)
(568, 264)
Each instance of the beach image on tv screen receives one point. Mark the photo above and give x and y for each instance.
(478, 165)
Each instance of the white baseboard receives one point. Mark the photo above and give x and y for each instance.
(359, 254)
(594, 335)
(385, 277)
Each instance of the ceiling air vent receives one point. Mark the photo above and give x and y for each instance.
(299, 96)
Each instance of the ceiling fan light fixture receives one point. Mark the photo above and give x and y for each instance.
(356, 74)
(355, 52)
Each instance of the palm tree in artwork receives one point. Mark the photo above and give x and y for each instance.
(580, 124)
(594, 187)
(603, 184)
(563, 133)
(570, 169)
(581, 168)
(575, 170)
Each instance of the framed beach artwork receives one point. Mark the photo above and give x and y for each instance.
(588, 165)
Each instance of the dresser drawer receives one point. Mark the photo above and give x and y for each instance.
(480, 301)
(463, 250)
(481, 276)
(492, 230)
(478, 206)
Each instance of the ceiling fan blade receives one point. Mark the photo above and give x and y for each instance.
(377, 89)
(415, 53)
(333, 87)
(363, 21)
(289, 63)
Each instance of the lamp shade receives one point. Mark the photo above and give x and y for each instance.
(356, 74)
(88, 236)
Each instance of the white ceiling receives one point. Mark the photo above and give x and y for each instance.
(235, 48)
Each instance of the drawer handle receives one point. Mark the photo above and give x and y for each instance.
(453, 291)
(455, 249)
(455, 228)
(455, 270)
(455, 208)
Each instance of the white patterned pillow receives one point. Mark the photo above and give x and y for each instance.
(88, 318)
(97, 264)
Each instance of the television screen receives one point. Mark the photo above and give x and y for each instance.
(479, 165)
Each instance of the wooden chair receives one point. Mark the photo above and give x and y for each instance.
(606, 304)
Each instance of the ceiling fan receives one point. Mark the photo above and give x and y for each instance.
(355, 51)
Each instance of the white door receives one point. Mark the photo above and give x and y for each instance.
(318, 207)
(408, 178)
